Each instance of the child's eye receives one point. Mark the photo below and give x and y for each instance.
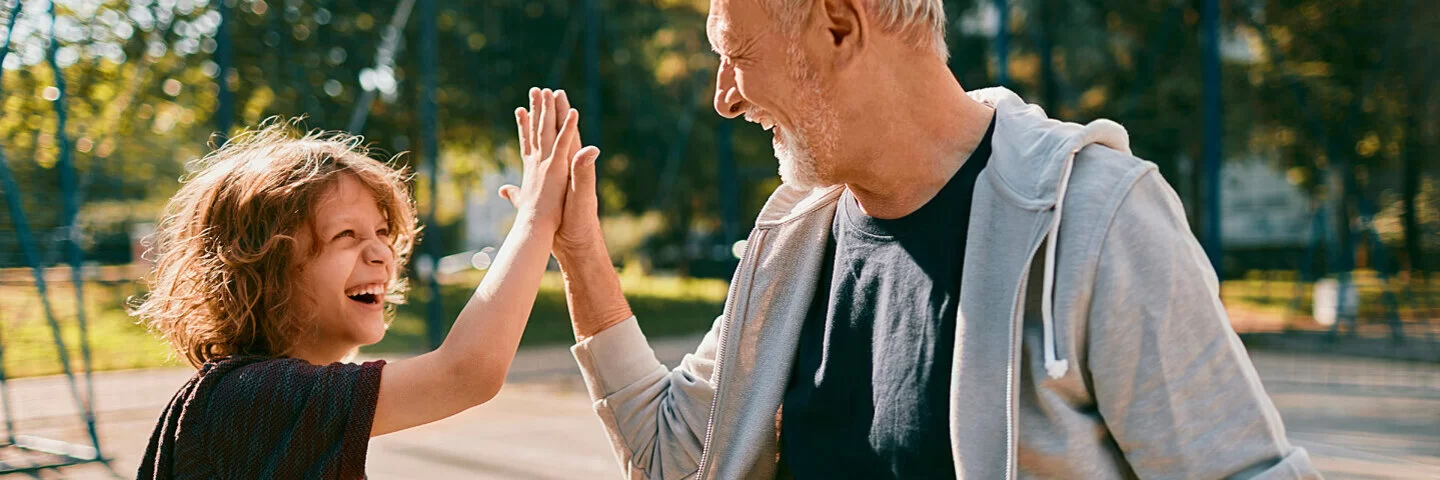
(347, 233)
(383, 233)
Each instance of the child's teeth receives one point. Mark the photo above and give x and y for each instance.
(367, 290)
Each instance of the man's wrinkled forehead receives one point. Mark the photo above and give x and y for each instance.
(722, 27)
(717, 30)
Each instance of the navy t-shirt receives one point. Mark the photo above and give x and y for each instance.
(869, 396)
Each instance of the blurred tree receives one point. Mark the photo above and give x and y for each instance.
(1345, 93)
(144, 89)
(136, 84)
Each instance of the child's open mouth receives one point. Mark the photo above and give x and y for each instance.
(370, 294)
(366, 298)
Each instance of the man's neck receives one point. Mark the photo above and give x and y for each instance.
(924, 129)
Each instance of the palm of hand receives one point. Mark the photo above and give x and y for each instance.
(548, 140)
(559, 175)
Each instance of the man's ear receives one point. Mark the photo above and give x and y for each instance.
(846, 29)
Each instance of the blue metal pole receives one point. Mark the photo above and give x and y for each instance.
(225, 110)
(390, 43)
(66, 164)
(17, 216)
(592, 114)
(729, 182)
(430, 142)
(1002, 43)
(1210, 38)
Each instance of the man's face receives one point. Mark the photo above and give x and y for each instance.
(766, 76)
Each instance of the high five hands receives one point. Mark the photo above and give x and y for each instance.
(558, 186)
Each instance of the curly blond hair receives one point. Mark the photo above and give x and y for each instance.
(227, 247)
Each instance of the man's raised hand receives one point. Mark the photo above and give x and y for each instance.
(549, 144)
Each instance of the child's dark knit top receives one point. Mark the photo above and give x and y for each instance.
(265, 417)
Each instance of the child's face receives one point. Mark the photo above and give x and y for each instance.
(349, 275)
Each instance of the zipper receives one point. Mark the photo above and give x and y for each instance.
(1011, 379)
(720, 349)
(1012, 436)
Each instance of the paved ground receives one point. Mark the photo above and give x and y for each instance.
(1359, 418)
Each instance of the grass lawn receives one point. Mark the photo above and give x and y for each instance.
(116, 341)
(1275, 294)
(664, 305)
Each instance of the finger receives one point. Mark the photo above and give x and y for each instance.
(562, 104)
(582, 169)
(547, 121)
(535, 114)
(522, 123)
(567, 142)
(509, 193)
(562, 101)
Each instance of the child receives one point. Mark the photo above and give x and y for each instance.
(281, 256)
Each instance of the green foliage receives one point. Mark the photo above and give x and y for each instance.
(143, 91)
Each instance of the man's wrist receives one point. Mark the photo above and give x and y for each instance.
(592, 289)
(588, 255)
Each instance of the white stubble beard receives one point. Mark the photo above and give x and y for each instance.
(813, 139)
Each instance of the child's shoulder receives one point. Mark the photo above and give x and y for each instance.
(257, 394)
(246, 364)
(239, 369)
(260, 381)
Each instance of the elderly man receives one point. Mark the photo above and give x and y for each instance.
(947, 285)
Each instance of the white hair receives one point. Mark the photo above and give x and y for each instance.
(920, 22)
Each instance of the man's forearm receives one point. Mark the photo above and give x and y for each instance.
(592, 290)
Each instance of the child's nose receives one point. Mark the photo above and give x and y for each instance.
(377, 253)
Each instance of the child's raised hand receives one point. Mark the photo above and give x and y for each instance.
(549, 140)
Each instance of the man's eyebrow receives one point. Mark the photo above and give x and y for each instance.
(721, 30)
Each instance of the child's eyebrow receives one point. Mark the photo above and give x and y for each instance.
(331, 222)
(350, 220)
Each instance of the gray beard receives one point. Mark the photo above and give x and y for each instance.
(801, 149)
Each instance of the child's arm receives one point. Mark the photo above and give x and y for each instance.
(469, 368)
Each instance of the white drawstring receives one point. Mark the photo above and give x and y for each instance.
(1054, 366)
(1103, 132)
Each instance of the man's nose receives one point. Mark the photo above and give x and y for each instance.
(728, 102)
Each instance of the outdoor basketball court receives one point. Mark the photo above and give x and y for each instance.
(1356, 423)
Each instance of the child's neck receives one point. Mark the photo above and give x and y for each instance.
(323, 354)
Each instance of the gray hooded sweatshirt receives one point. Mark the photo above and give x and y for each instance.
(1093, 347)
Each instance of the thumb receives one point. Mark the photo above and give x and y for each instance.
(582, 169)
(509, 192)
